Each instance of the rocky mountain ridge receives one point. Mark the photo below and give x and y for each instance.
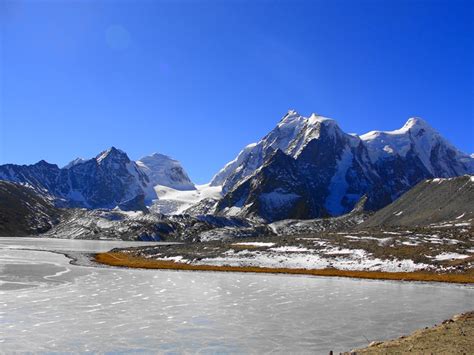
(307, 167)
(108, 180)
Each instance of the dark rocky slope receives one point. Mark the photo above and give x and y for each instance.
(437, 201)
(24, 212)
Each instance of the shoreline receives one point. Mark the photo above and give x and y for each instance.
(452, 336)
(120, 259)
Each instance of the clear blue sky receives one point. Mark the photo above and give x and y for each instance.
(198, 80)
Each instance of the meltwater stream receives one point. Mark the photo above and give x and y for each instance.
(46, 304)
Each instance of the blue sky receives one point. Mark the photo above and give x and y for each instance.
(198, 80)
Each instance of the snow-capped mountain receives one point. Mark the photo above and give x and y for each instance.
(174, 190)
(307, 167)
(253, 156)
(417, 138)
(165, 171)
(110, 179)
(404, 157)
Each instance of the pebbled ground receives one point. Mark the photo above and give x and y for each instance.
(453, 336)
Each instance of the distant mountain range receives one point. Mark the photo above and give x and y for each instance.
(109, 180)
(306, 167)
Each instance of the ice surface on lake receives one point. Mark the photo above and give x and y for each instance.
(78, 309)
(92, 246)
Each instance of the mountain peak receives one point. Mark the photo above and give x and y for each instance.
(291, 117)
(165, 171)
(157, 156)
(292, 112)
(416, 123)
(111, 153)
(315, 118)
(115, 150)
(413, 125)
(44, 163)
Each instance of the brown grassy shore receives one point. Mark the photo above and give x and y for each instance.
(127, 260)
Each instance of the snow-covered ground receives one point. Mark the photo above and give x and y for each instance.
(172, 201)
(359, 250)
(294, 257)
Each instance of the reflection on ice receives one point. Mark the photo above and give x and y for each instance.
(25, 269)
(82, 309)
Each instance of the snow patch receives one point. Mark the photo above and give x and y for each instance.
(255, 244)
(450, 256)
(338, 185)
(172, 201)
(350, 260)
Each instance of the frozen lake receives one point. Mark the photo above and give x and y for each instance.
(46, 304)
